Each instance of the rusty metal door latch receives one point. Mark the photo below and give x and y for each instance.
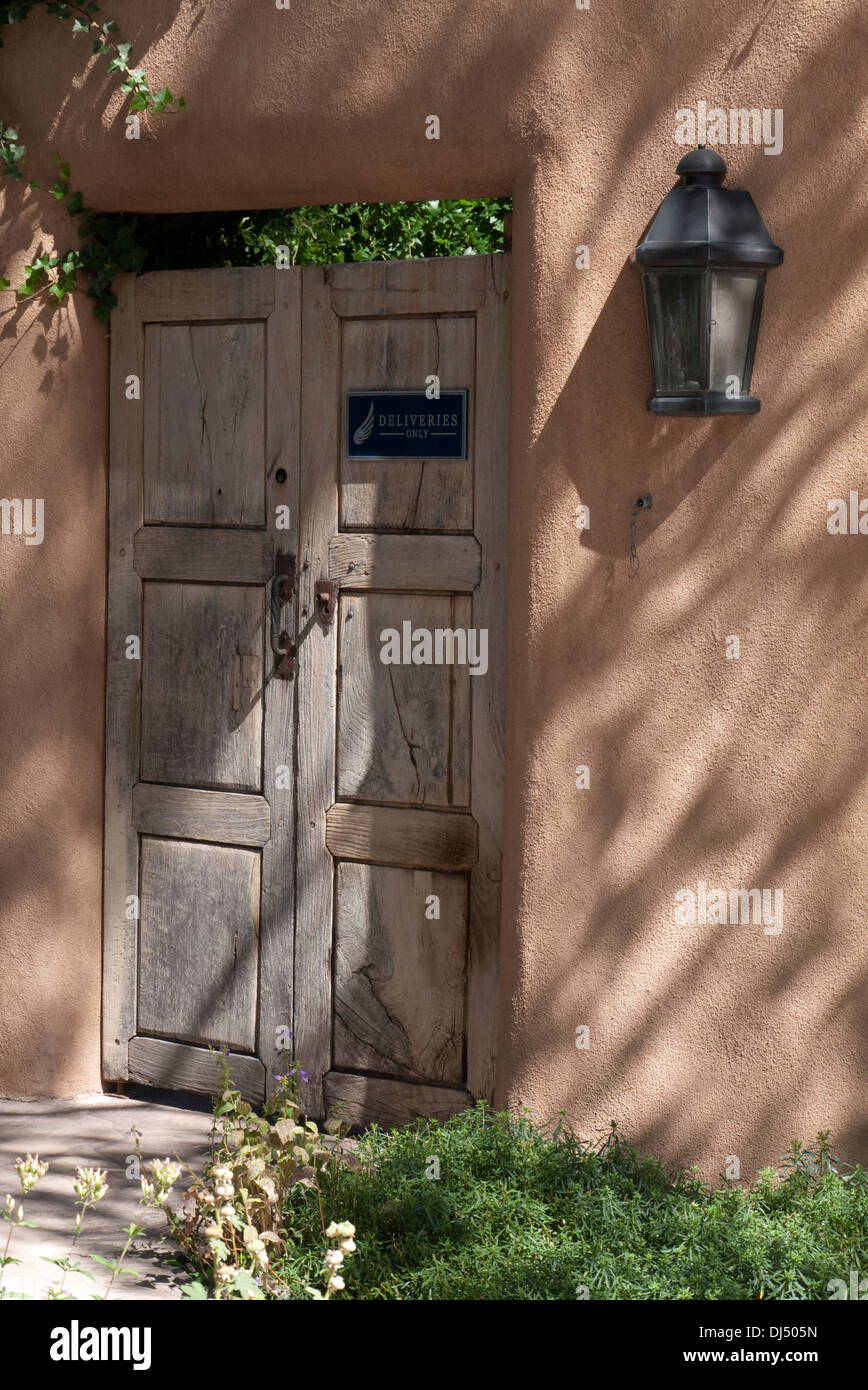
(282, 587)
(326, 592)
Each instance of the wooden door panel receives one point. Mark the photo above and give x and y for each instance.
(420, 494)
(205, 424)
(400, 977)
(202, 686)
(199, 943)
(402, 729)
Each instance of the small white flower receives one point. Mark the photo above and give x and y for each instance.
(90, 1184)
(341, 1230)
(348, 1246)
(165, 1172)
(336, 1283)
(30, 1170)
(334, 1259)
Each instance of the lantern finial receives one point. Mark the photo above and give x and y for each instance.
(702, 166)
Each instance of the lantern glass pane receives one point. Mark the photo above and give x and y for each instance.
(733, 295)
(674, 301)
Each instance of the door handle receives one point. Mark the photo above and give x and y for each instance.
(282, 586)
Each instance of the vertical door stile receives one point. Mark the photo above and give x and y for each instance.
(317, 667)
(283, 381)
(123, 685)
(491, 472)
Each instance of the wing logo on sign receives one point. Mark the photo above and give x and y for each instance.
(365, 428)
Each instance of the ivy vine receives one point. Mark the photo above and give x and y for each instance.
(108, 244)
(114, 242)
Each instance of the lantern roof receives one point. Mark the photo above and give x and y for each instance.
(701, 223)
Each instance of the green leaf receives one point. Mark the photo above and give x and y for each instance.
(74, 204)
(100, 1260)
(80, 26)
(124, 50)
(67, 1265)
(139, 102)
(194, 1290)
(4, 283)
(245, 1284)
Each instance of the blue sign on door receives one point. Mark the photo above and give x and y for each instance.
(406, 425)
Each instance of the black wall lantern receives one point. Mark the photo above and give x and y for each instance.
(703, 261)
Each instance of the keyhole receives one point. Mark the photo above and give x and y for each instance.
(280, 475)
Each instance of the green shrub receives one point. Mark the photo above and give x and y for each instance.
(522, 1212)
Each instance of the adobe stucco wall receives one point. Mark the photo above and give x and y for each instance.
(705, 1041)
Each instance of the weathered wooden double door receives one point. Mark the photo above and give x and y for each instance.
(303, 835)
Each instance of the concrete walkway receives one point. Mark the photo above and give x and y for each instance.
(94, 1132)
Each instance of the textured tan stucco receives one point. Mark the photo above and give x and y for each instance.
(705, 1041)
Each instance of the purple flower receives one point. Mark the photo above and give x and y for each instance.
(277, 1077)
(305, 1076)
